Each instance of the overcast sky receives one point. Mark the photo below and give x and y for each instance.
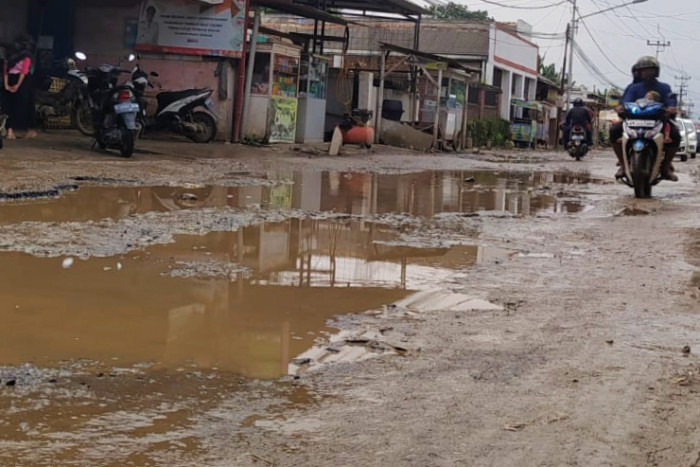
(621, 36)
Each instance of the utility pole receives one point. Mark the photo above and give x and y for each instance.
(660, 46)
(684, 85)
(572, 31)
(563, 67)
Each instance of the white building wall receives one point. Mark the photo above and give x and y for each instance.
(513, 55)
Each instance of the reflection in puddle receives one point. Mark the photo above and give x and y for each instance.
(420, 194)
(130, 310)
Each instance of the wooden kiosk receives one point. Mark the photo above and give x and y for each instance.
(272, 114)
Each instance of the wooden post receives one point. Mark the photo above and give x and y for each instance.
(437, 109)
(243, 127)
(465, 112)
(380, 99)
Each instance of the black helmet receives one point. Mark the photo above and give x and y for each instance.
(648, 62)
(578, 102)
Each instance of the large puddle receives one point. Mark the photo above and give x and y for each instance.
(248, 301)
(419, 194)
(136, 358)
(245, 302)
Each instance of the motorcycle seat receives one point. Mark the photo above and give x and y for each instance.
(165, 98)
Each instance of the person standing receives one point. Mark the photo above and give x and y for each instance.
(18, 93)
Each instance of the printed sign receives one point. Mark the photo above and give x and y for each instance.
(192, 27)
(283, 119)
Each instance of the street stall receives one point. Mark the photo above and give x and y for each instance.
(440, 100)
(286, 82)
(321, 30)
(272, 113)
(452, 111)
(524, 124)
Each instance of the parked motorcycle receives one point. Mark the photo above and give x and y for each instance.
(114, 109)
(642, 145)
(176, 110)
(66, 101)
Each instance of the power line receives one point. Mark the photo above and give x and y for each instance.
(601, 49)
(515, 7)
(590, 64)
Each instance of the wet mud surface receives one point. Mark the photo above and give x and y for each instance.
(271, 309)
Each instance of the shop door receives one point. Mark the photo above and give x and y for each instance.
(52, 22)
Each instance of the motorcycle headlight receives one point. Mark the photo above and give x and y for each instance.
(654, 131)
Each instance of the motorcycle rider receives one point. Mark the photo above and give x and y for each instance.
(648, 69)
(578, 115)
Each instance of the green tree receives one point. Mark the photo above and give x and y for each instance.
(453, 10)
(549, 71)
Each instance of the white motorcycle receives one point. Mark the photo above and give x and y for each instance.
(642, 145)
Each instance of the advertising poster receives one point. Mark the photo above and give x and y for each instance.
(191, 27)
(283, 119)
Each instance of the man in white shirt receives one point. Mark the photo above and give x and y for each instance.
(148, 29)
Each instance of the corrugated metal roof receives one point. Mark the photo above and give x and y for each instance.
(401, 7)
(455, 37)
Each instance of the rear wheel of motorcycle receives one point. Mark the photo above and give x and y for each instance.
(208, 125)
(82, 116)
(127, 148)
(641, 169)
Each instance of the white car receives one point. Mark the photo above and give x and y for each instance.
(689, 139)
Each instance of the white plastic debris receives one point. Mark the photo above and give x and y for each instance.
(68, 262)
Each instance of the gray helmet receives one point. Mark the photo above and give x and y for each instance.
(648, 62)
(578, 102)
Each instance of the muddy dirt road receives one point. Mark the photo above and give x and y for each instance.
(220, 305)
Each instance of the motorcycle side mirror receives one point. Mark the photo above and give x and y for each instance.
(131, 57)
(154, 74)
(80, 56)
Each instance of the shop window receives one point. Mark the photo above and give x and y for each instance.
(285, 76)
(474, 94)
(261, 74)
(491, 98)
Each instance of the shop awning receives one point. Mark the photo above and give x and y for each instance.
(430, 61)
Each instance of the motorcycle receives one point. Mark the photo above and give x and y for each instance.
(113, 109)
(577, 147)
(65, 102)
(642, 145)
(176, 110)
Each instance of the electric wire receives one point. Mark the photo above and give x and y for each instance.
(601, 49)
(516, 7)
